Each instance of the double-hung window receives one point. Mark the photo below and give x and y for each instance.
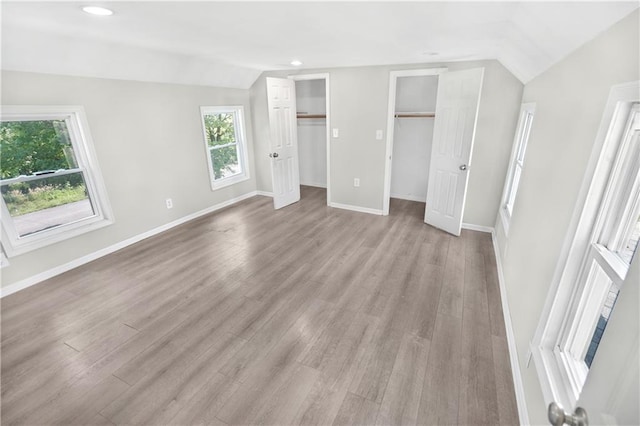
(225, 144)
(50, 181)
(607, 230)
(517, 162)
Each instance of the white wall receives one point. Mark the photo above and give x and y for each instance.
(148, 141)
(570, 99)
(312, 132)
(412, 137)
(359, 101)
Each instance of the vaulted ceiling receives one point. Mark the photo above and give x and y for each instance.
(229, 44)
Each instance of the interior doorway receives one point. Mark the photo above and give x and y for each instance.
(457, 100)
(413, 136)
(312, 117)
(412, 105)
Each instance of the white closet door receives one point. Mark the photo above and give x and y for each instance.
(453, 133)
(285, 176)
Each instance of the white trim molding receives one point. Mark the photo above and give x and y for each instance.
(35, 279)
(356, 208)
(479, 228)
(315, 185)
(409, 198)
(523, 412)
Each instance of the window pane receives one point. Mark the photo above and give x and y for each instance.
(225, 162)
(603, 319)
(47, 203)
(34, 146)
(219, 129)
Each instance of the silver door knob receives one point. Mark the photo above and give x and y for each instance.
(558, 417)
(463, 167)
(273, 155)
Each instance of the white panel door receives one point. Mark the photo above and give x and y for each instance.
(453, 133)
(281, 98)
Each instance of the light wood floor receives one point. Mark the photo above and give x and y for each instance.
(306, 315)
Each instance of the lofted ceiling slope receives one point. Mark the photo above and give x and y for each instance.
(228, 44)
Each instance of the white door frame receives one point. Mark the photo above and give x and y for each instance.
(393, 81)
(327, 86)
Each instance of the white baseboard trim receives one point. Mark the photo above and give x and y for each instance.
(410, 198)
(479, 228)
(523, 412)
(35, 279)
(264, 193)
(356, 208)
(315, 185)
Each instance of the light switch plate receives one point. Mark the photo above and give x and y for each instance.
(379, 135)
(335, 133)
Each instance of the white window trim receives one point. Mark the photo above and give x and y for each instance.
(82, 141)
(518, 140)
(241, 142)
(561, 380)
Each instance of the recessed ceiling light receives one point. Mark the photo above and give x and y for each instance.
(296, 63)
(95, 10)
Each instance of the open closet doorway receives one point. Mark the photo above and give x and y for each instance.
(284, 117)
(412, 105)
(436, 158)
(312, 104)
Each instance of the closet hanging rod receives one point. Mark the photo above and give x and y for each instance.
(301, 115)
(415, 115)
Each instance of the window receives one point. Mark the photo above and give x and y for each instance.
(604, 238)
(50, 183)
(517, 163)
(224, 139)
(611, 250)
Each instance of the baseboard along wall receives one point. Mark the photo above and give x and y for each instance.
(523, 412)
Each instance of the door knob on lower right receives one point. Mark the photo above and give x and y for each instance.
(558, 417)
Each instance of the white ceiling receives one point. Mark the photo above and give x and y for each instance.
(229, 44)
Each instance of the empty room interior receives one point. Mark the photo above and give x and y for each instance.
(320, 213)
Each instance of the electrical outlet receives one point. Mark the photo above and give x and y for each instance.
(356, 182)
(169, 202)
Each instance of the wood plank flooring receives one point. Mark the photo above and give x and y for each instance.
(305, 315)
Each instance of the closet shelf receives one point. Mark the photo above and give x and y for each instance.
(305, 115)
(415, 114)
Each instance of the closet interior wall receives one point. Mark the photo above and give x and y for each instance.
(312, 132)
(412, 137)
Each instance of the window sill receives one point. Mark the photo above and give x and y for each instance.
(215, 185)
(16, 248)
